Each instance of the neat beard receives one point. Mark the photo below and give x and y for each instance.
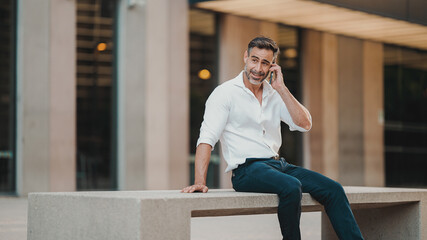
(254, 82)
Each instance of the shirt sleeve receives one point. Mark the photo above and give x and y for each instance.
(215, 118)
(285, 116)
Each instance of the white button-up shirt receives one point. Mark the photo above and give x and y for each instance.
(245, 128)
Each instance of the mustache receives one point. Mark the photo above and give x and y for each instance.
(257, 73)
(261, 74)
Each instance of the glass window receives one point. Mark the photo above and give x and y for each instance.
(203, 80)
(7, 96)
(96, 162)
(289, 61)
(405, 112)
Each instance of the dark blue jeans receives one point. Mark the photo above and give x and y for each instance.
(289, 182)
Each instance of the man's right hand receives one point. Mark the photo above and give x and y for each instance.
(195, 188)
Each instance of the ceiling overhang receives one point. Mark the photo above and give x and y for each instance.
(327, 18)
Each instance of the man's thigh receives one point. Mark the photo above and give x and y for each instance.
(312, 182)
(262, 177)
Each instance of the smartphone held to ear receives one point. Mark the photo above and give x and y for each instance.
(271, 77)
(272, 74)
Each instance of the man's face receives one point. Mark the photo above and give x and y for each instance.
(257, 64)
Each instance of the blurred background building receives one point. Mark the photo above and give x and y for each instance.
(109, 94)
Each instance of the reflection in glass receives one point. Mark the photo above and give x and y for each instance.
(95, 89)
(405, 110)
(287, 40)
(7, 96)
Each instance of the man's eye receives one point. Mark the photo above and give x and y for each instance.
(254, 60)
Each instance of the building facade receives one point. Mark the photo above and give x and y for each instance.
(109, 94)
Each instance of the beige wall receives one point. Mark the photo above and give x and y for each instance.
(46, 96)
(342, 85)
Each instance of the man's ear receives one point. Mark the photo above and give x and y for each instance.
(245, 56)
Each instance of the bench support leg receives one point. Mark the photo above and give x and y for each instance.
(169, 221)
(395, 222)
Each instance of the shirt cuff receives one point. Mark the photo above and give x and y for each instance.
(205, 140)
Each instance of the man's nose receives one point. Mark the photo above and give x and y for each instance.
(258, 67)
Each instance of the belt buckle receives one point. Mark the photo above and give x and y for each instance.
(277, 157)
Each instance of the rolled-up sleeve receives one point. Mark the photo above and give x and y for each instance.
(285, 116)
(215, 118)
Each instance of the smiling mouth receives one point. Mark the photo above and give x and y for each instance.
(257, 77)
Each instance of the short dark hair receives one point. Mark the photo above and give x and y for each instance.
(262, 42)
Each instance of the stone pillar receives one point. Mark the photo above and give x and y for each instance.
(320, 96)
(311, 85)
(373, 113)
(162, 157)
(343, 90)
(235, 33)
(130, 98)
(46, 96)
(329, 88)
(350, 109)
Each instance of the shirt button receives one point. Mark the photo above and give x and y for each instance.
(263, 131)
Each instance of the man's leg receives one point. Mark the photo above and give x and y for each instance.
(332, 196)
(265, 177)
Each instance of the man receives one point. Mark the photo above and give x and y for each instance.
(245, 114)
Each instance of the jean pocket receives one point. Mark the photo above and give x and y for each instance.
(237, 176)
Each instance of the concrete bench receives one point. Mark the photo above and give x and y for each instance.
(382, 213)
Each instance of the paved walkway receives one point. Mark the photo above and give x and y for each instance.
(13, 225)
(13, 218)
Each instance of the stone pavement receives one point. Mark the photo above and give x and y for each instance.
(13, 218)
(13, 224)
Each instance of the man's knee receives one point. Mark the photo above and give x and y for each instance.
(335, 191)
(292, 191)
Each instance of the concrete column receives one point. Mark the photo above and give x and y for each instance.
(153, 92)
(235, 33)
(179, 93)
(373, 113)
(46, 96)
(311, 83)
(320, 90)
(166, 94)
(343, 89)
(131, 98)
(350, 104)
(330, 105)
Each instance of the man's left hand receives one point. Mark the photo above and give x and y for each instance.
(278, 82)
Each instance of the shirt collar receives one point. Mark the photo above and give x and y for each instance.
(267, 88)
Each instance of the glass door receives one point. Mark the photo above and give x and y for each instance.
(7, 96)
(96, 161)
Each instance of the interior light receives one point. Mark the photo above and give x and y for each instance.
(101, 47)
(290, 53)
(204, 74)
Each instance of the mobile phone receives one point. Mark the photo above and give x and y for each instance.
(271, 77)
(272, 74)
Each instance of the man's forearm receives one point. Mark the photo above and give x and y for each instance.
(201, 163)
(300, 115)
